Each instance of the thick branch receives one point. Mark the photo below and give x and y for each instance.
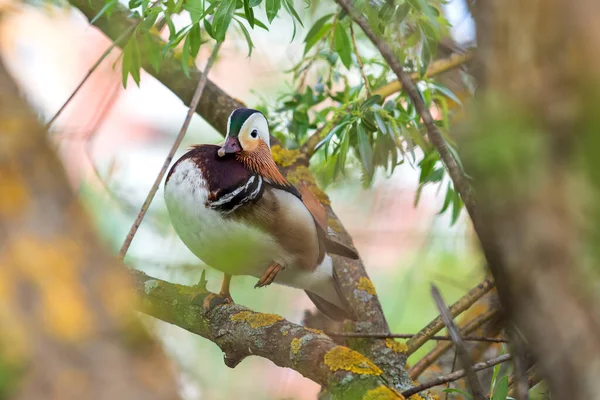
(215, 106)
(240, 332)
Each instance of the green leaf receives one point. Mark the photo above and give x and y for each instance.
(401, 12)
(314, 30)
(195, 40)
(446, 92)
(272, 7)
(222, 19)
(325, 30)
(254, 3)
(343, 152)
(107, 7)
(196, 10)
(342, 45)
(329, 136)
(247, 36)
(209, 28)
(370, 101)
(364, 149)
(457, 205)
(151, 51)
(249, 17)
(136, 60)
(501, 389)
(126, 62)
(292, 11)
(447, 200)
(380, 124)
(185, 56)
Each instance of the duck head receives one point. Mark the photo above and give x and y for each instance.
(247, 133)
(248, 140)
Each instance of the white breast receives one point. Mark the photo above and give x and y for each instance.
(230, 246)
(222, 243)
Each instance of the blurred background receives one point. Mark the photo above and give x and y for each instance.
(113, 142)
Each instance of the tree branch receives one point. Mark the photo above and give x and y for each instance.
(454, 376)
(215, 107)
(461, 350)
(240, 332)
(459, 306)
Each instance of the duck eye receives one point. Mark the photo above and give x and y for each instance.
(254, 133)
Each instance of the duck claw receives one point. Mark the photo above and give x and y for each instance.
(269, 275)
(213, 300)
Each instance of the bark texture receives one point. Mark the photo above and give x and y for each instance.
(68, 330)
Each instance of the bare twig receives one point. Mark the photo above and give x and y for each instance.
(440, 380)
(410, 335)
(461, 350)
(441, 348)
(360, 63)
(532, 379)
(437, 324)
(460, 181)
(90, 72)
(163, 170)
(517, 347)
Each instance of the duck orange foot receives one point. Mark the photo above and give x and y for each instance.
(213, 300)
(269, 275)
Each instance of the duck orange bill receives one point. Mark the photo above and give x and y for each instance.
(231, 145)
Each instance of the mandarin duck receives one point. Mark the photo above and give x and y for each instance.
(233, 209)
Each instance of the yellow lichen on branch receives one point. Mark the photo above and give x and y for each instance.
(302, 174)
(397, 347)
(295, 345)
(343, 358)
(382, 393)
(317, 331)
(366, 285)
(256, 320)
(285, 157)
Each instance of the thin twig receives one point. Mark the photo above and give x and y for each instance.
(461, 349)
(437, 324)
(532, 379)
(517, 348)
(90, 72)
(410, 335)
(360, 63)
(437, 67)
(462, 185)
(416, 370)
(440, 380)
(163, 170)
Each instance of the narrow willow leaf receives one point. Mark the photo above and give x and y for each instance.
(401, 12)
(364, 148)
(126, 63)
(342, 45)
(249, 16)
(447, 199)
(314, 30)
(222, 18)
(107, 7)
(136, 59)
(501, 389)
(195, 40)
(272, 7)
(324, 31)
(209, 28)
(247, 36)
(185, 56)
(292, 11)
(380, 124)
(456, 207)
(196, 10)
(331, 133)
(370, 101)
(254, 3)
